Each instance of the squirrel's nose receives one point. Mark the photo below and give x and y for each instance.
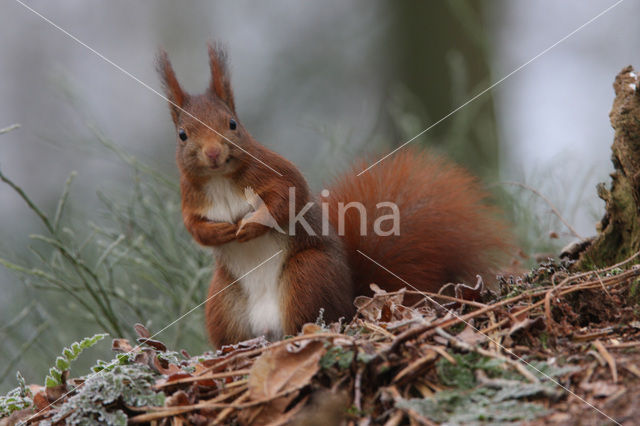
(213, 154)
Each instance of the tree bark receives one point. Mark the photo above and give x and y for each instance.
(619, 229)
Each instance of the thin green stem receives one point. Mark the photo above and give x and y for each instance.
(23, 349)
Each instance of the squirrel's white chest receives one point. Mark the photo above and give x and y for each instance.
(260, 280)
(227, 202)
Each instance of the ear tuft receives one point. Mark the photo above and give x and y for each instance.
(172, 88)
(220, 79)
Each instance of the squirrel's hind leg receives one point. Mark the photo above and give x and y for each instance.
(315, 279)
(224, 311)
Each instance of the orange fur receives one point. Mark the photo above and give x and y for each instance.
(447, 232)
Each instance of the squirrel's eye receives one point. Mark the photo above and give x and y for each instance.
(182, 135)
(232, 124)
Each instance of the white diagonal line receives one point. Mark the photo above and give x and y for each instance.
(490, 339)
(211, 297)
(127, 73)
(493, 85)
(163, 329)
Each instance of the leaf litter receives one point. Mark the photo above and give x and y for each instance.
(534, 353)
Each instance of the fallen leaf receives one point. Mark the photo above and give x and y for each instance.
(121, 345)
(142, 331)
(600, 389)
(54, 393)
(537, 323)
(280, 371)
(41, 401)
(153, 343)
(255, 343)
(177, 399)
(470, 336)
(164, 367)
(311, 328)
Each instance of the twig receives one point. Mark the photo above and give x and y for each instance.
(415, 366)
(225, 413)
(623, 345)
(377, 329)
(9, 128)
(443, 353)
(395, 418)
(610, 360)
(62, 201)
(357, 392)
(549, 203)
(608, 281)
(163, 412)
(603, 287)
(23, 349)
(27, 200)
(258, 351)
(207, 377)
(568, 280)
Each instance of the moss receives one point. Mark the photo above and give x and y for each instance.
(101, 399)
(619, 236)
(634, 292)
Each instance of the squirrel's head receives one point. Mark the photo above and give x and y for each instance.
(211, 141)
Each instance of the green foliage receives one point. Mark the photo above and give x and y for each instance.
(634, 291)
(337, 355)
(461, 374)
(171, 357)
(134, 262)
(550, 370)
(97, 400)
(366, 358)
(478, 405)
(496, 400)
(16, 399)
(120, 359)
(69, 354)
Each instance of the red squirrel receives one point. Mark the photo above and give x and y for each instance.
(445, 232)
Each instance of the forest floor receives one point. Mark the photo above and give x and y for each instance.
(551, 346)
(554, 347)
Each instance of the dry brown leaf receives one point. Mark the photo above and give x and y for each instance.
(165, 367)
(54, 393)
(178, 399)
(121, 345)
(516, 312)
(141, 331)
(381, 307)
(311, 328)
(41, 401)
(369, 308)
(600, 389)
(527, 324)
(279, 371)
(470, 336)
(156, 344)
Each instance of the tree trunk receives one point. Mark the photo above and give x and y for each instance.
(619, 229)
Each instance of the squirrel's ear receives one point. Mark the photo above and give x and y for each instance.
(220, 80)
(172, 88)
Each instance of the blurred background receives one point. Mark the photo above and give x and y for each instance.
(322, 83)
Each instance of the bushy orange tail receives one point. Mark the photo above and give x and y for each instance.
(447, 232)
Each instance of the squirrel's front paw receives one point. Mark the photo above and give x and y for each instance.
(211, 234)
(249, 230)
(227, 231)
